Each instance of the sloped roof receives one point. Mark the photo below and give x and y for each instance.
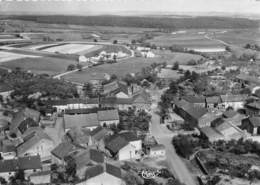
(255, 105)
(100, 133)
(142, 98)
(81, 120)
(255, 121)
(229, 113)
(194, 99)
(31, 140)
(115, 86)
(25, 124)
(211, 133)
(196, 112)
(22, 115)
(108, 115)
(157, 147)
(99, 169)
(63, 150)
(129, 136)
(233, 98)
(22, 163)
(116, 144)
(213, 99)
(7, 146)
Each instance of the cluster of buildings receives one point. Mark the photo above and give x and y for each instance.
(75, 129)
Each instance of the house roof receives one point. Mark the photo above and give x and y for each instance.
(85, 157)
(116, 144)
(81, 120)
(25, 124)
(129, 136)
(73, 101)
(22, 115)
(211, 133)
(32, 139)
(22, 163)
(115, 87)
(229, 113)
(100, 133)
(116, 101)
(63, 150)
(233, 98)
(196, 112)
(255, 105)
(255, 121)
(194, 99)
(108, 115)
(213, 99)
(99, 169)
(7, 146)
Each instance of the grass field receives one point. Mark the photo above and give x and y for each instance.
(9, 56)
(131, 65)
(188, 39)
(47, 65)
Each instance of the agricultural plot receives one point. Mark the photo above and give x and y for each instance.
(69, 48)
(8, 56)
(43, 65)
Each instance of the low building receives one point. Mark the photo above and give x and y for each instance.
(195, 100)
(207, 119)
(103, 174)
(142, 101)
(212, 103)
(98, 136)
(88, 121)
(125, 146)
(251, 125)
(253, 109)
(117, 89)
(234, 101)
(108, 117)
(29, 165)
(41, 178)
(174, 120)
(229, 131)
(211, 134)
(36, 143)
(7, 150)
(61, 151)
(157, 151)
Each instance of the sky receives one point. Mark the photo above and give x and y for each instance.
(117, 6)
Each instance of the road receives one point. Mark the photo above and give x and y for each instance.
(218, 40)
(164, 136)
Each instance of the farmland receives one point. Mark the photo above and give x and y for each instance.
(131, 65)
(46, 65)
(8, 56)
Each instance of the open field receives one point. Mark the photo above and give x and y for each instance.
(8, 56)
(187, 39)
(71, 48)
(240, 37)
(131, 65)
(46, 65)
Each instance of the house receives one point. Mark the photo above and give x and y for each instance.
(253, 108)
(174, 120)
(211, 134)
(118, 103)
(188, 112)
(29, 165)
(22, 117)
(61, 151)
(234, 101)
(98, 135)
(7, 150)
(88, 121)
(86, 159)
(195, 100)
(96, 79)
(158, 150)
(229, 113)
(36, 143)
(117, 89)
(229, 131)
(251, 125)
(103, 174)
(40, 178)
(212, 103)
(125, 146)
(142, 101)
(207, 119)
(79, 136)
(108, 117)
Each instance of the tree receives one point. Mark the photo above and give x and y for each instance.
(95, 40)
(175, 66)
(133, 42)
(88, 89)
(113, 77)
(79, 67)
(115, 42)
(114, 58)
(192, 62)
(71, 67)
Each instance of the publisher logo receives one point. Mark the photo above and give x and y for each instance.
(149, 174)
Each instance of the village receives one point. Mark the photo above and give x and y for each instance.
(84, 104)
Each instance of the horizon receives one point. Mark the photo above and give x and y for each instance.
(132, 7)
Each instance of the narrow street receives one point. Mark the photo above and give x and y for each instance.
(164, 136)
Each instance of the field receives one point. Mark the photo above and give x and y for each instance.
(240, 37)
(131, 65)
(46, 65)
(72, 48)
(8, 56)
(187, 39)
